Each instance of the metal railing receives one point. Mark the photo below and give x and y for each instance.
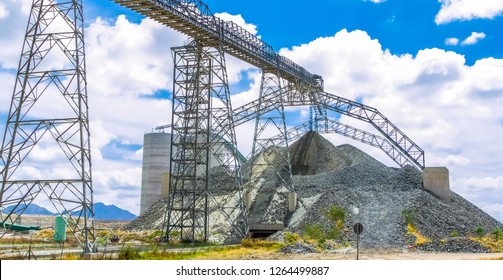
(194, 19)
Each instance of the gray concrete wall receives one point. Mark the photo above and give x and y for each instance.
(436, 180)
(156, 156)
(164, 185)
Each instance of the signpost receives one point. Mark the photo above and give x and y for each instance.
(358, 229)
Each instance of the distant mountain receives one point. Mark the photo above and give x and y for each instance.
(111, 212)
(32, 209)
(101, 212)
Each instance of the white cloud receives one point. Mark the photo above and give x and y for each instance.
(127, 63)
(7, 81)
(452, 41)
(13, 19)
(138, 155)
(452, 10)
(239, 20)
(488, 183)
(448, 160)
(375, 1)
(495, 209)
(3, 11)
(125, 58)
(474, 38)
(448, 108)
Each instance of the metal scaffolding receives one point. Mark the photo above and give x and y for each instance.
(267, 123)
(203, 148)
(404, 149)
(333, 126)
(193, 18)
(49, 109)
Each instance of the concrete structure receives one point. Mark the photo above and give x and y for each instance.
(156, 165)
(248, 200)
(156, 157)
(164, 185)
(436, 180)
(292, 201)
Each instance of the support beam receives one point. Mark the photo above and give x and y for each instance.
(340, 105)
(55, 29)
(202, 132)
(277, 156)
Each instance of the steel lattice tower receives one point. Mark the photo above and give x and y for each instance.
(48, 110)
(203, 148)
(276, 152)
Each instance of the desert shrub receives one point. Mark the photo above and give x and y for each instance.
(479, 232)
(408, 215)
(454, 233)
(291, 238)
(314, 231)
(497, 234)
(259, 243)
(337, 215)
(129, 253)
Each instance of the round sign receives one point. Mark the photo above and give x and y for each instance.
(358, 228)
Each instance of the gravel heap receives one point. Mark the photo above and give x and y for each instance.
(370, 192)
(152, 219)
(454, 245)
(298, 248)
(220, 182)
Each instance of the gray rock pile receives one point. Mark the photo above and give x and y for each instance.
(370, 193)
(152, 219)
(454, 245)
(298, 248)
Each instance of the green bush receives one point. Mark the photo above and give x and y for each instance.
(335, 233)
(291, 238)
(336, 214)
(129, 253)
(454, 233)
(480, 232)
(408, 215)
(314, 231)
(497, 234)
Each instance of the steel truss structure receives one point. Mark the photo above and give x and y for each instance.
(203, 142)
(284, 83)
(333, 126)
(273, 120)
(194, 19)
(404, 148)
(51, 77)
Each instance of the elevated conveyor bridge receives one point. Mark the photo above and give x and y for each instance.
(194, 19)
(200, 76)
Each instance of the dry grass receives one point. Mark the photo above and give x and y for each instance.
(496, 246)
(237, 253)
(420, 239)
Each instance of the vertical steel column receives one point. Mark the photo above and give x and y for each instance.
(203, 149)
(49, 109)
(274, 156)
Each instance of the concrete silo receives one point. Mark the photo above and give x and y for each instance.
(156, 164)
(156, 156)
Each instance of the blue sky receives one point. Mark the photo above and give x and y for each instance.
(434, 68)
(400, 26)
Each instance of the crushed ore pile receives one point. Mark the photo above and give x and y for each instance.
(370, 192)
